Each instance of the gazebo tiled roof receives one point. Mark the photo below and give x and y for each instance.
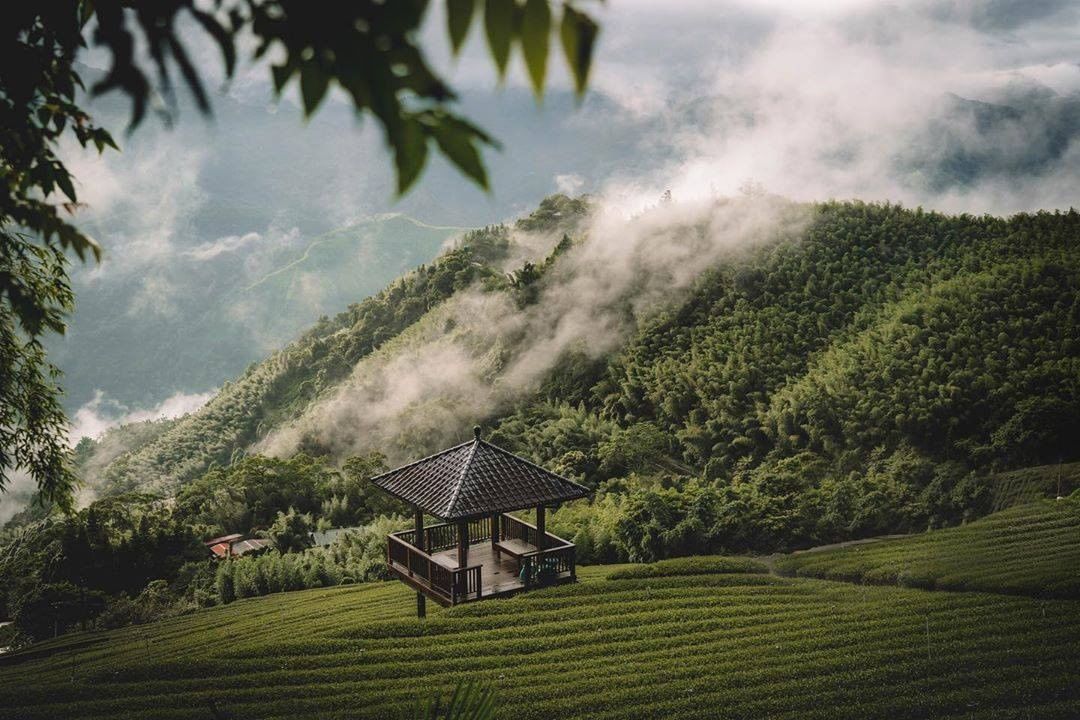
(475, 479)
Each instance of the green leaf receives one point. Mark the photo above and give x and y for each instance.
(281, 74)
(578, 33)
(410, 152)
(313, 84)
(499, 24)
(63, 179)
(106, 139)
(221, 35)
(459, 15)
(456, 142)
(535, 34)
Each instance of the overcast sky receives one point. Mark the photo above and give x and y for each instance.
(813, 100)
(843, 99)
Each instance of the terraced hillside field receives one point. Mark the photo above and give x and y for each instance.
(1029, 484)
(718, 645)
(1032, 549)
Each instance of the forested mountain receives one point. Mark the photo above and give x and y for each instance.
(176, 306)
(817, 372)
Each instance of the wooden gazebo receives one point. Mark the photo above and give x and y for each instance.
(478, 551)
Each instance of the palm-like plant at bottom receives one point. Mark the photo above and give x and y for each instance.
(469, 701)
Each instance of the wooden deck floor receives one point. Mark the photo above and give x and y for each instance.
(496, 576)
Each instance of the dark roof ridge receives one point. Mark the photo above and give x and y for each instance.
(423, 459)
(463, 474)
(475, 478)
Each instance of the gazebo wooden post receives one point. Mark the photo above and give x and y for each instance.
(495, 530)
(541, 528)
(462, 557)
(462, 543)
(418, 523)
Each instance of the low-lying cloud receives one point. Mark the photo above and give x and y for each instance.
(231, 243)
(102, 413)
(93, 420)
(17, 495)
(478, 353)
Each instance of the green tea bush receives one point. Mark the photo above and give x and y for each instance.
(1031, 549)
(708, 565)
(356, 556)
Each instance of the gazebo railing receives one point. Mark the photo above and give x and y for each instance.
(418, 567)
(543, 567)
(511, 528)
(443, 536)
(451, 586)
(540, 566)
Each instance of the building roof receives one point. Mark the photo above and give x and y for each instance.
(220, 550)
(474, 479)
(233, 546)
(245, 546)
(222, 539)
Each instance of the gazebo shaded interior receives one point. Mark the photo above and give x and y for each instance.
(478, 550)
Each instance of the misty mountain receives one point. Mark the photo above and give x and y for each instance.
(208, 208)
(214, 308)
(754, 338)
(225, 236)
(1028, 134)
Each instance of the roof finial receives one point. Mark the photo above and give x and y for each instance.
(476, 431)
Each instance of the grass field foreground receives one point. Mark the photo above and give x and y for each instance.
(706, 645)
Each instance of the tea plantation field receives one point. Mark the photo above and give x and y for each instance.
(1033, 483)
(1031, 549)
(699, 637)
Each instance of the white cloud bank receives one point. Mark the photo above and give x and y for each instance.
(963, 106)
(478, 353)
(92, 420)
(95, 417)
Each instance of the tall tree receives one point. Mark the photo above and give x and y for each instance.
(369, 48)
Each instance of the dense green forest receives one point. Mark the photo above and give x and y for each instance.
(864, 379)
(875, 371)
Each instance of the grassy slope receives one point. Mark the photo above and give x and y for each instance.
(1031, 549)
(724, 644)
(737, 645)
